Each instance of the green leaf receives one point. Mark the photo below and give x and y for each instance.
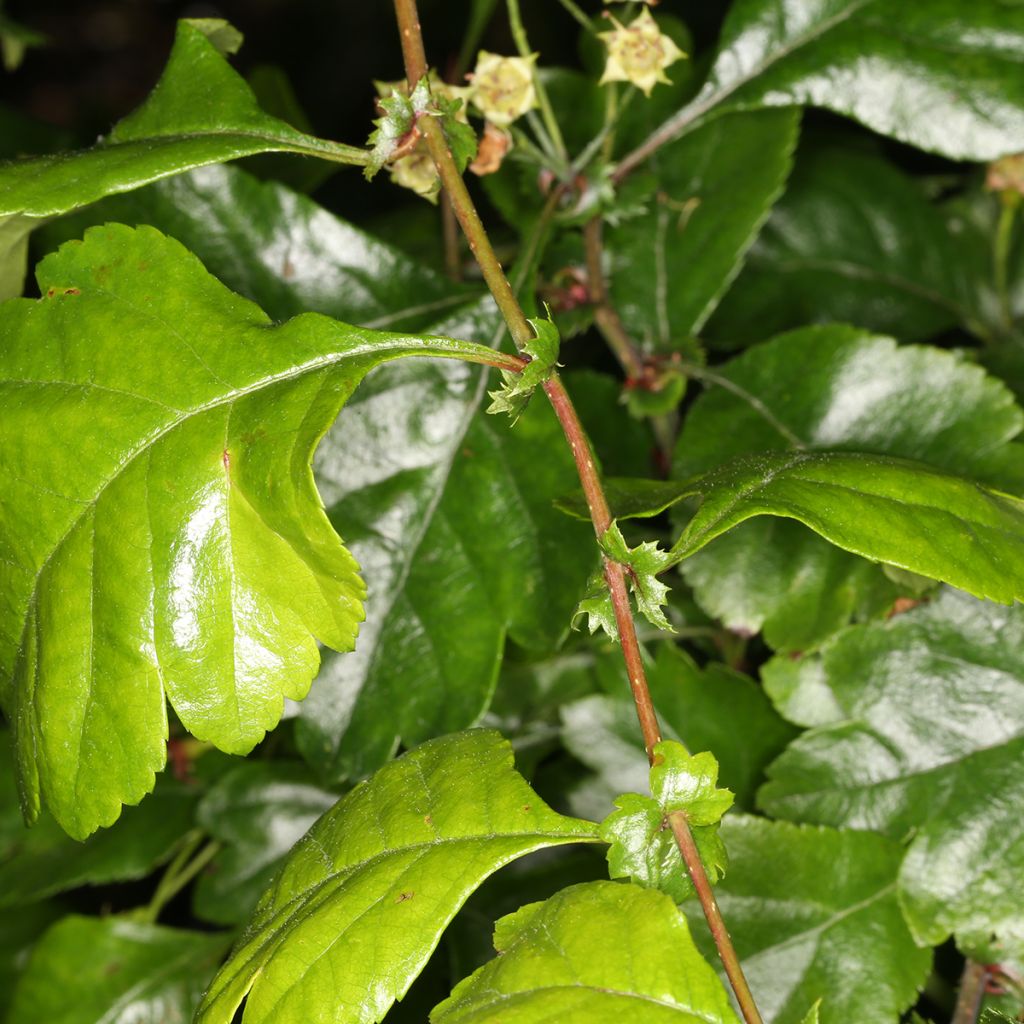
(890, 510)
(828, 387)
(397, 856)
(803, 904)
(599, 952)
(258, 812)
(19, 934)
(397, 120)
(15, 40)
(945, 769)
(669, 267)
(168, 532)
(881, 62)
(643, 563)
(642, 845)
(14, 232)
(517, 388)
(200, 112)
(853, 240)
(88, 969)
(280, 249)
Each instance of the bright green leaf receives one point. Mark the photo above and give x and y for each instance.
(924, 738)
(642, 844)
(643, 563)
(397, 856)
(200, 112)
(853, 240)
(88, 969)
(601, 952)
(669, 268)
(258, 812)
(168, 531)
(937, 74)
(813, 914)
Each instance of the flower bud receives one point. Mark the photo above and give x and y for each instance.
(639, 53)
(502, 87)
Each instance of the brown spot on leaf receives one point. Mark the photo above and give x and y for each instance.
(403, 896)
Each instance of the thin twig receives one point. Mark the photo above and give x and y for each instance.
(972, 991)
(519, 328)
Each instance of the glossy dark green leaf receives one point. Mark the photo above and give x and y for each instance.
(166, 533)
(424, 483)
(599, 952)
(835, 388)
(924, 737)
(669, 268)
(714, 708)
(813, 914)
(280, 249)
(258, 812)
(889, 510)
(396, 857)
(853, 240)
(937, 74)
(88, 969)
(200, 112)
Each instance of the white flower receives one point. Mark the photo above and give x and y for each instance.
(639, 53)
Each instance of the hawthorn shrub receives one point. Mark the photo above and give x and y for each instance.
(697, 619)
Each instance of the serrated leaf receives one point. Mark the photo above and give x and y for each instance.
(200, 112)
(280, 249)
(168, 533)
(517, 388)
(803, 904)
(853, 240)
(945, 769)
(670, 266)
(598, 952)
(37, 862)
(937, 75)
(890, 510)
(398, 118)
(87, 969)
(642, 844)
(257, 812)
(398, 856)
(643, 563)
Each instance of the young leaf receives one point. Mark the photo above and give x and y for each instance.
(598, 952)
(853, 240)
(643, 563)
(945, 769)
(258, 812)
(669, 267)
(517, 388)
(874, 60)
(397, 121)
(642, 845)
(163, 533)
(803, 904)
(397, 856)
(87, 969)
(894, 511)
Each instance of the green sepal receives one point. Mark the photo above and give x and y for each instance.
(516, 389)
(642, 846)
(398, 117)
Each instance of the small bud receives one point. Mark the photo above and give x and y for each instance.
(1006, 175)
(416, 171)
(639, 53)
(502, 87)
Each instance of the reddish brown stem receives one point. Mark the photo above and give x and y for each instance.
(972, 991)
(519, 328)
